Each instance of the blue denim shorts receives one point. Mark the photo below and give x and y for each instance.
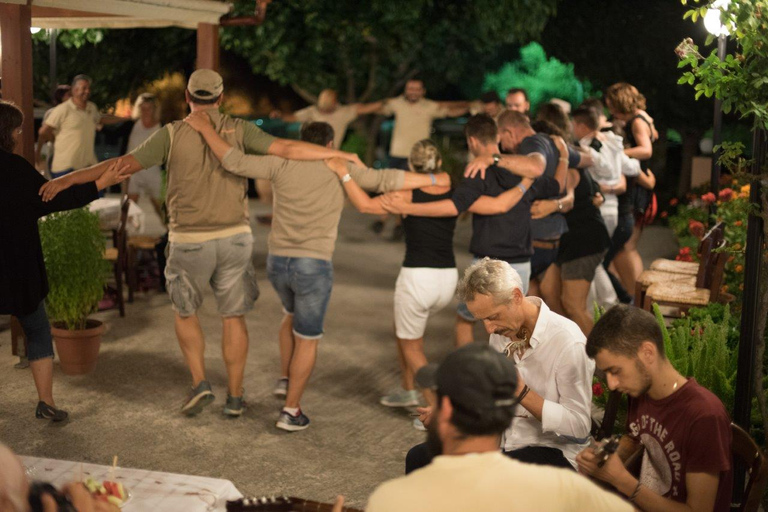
(541, 260)
(37, 330)
(304, 286)
(524, 269)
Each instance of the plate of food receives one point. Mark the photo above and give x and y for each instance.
(110, 492)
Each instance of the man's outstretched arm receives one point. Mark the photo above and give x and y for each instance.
(50, 189)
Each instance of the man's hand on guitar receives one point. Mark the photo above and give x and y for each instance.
(612, 470)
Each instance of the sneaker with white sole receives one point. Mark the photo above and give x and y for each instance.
(418, 425)
(199, 397)
(401, 398)
(234, 406)
(281, 387)
(292, 423)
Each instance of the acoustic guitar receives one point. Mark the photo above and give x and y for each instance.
(281, 504)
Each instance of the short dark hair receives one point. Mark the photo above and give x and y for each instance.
(515, 90)
(203, 101)
(471, 423)
(11, 118)
(587, 116)
(595, 103)
(547, 128)
(317, 133)
(622, 329)
(556, 115)
(482, 127)
(514, 118)
(81, 78)
(490, 97)
(60, 92)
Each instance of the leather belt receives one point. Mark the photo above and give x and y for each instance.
(546, 244)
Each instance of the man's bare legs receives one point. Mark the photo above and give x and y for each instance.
(406, 379)
(42, 373)
(464, 334)
(628, 262)
(192, 344)
(574, 298)
(550, 289)
(287, 344)
(300, 369)
(534, 290)
(234, 348)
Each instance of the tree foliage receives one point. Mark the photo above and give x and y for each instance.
(367, 50)
(119, 61)
(543, 78)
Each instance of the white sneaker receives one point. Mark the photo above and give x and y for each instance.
(281, 387)
(401, 398)
(418, 425)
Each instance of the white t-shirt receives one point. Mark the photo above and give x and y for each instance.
(413, 122)
(610, 163)
(140, 133)
(75, 131)
(339, 119)
(492, 482)
(557, 368)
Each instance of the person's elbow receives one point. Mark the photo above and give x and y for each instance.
(280, 147)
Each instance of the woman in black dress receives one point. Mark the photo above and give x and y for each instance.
(23, 282)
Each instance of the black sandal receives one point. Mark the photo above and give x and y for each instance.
(46, 412)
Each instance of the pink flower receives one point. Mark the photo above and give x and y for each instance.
(709, 198)
(726, 194)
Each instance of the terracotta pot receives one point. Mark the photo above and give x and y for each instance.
(78, 350)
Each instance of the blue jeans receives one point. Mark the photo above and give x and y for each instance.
(37, 329)
(59, 174)
(524, 269)
(304, 286)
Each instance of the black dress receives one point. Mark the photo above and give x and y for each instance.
(587, 233)
(23, 282)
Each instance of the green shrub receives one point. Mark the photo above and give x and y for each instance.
(73, 248)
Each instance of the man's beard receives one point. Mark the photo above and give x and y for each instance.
(645, 378)
(434, 443)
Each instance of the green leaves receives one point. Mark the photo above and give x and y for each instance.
(73, 248)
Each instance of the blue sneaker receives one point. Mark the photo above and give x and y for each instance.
(292, 423)
(235, 405)
(199, 397)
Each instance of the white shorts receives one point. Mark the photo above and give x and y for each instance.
(149, 181)
(420, 292)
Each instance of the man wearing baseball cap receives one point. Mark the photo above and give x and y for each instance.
(475, 388)
(210, 240)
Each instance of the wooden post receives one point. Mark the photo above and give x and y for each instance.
(15, 22)
(207, 46)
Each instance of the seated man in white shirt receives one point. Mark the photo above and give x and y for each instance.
(477, 391)
(553, 421)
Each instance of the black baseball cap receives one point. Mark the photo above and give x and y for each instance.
(477, 379)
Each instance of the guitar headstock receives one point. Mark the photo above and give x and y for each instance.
(608, 448)
(261, 504)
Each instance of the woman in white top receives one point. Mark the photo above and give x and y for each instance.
(146, 112)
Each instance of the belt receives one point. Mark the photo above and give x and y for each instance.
(546, 244)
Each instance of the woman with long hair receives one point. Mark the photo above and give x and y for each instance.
(23, 282)
(627, 105)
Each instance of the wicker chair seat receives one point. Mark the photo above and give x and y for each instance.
(676, 267)
(678, 293)
(143, 242)
(649, 277)
(110, 254)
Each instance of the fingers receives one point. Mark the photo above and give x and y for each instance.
(48, 503)
(338, 506)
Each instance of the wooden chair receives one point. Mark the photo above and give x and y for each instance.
(117, 254)
(746, 451)
(683, 273)
(683, 296)
(136, 246)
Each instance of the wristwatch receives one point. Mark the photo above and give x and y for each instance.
(346, 178)
(496, 158)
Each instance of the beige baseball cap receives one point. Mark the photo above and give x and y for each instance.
(205, 84)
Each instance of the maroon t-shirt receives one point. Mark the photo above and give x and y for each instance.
(687, 432)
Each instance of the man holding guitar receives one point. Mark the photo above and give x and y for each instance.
(683, 427)
(476, 389)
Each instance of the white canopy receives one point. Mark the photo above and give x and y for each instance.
(67, 14)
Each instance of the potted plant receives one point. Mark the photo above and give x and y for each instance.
(73, 248)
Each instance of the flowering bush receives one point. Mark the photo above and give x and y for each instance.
(692, 220)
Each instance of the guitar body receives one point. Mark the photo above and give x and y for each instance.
(281, 504)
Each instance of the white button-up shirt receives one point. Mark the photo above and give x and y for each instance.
(557, 368)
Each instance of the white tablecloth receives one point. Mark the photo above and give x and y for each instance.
(108, 210)
(150, 490)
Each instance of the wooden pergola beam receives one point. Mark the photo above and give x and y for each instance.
(207, 46)
(16, 41)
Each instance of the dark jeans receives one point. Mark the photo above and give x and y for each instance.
(541, 260)
(395, 162)
(37, 329)
(621, 236)
(420, 456)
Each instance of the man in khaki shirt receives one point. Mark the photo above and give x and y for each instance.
(329, 111)
(210, 239)
(308, 202)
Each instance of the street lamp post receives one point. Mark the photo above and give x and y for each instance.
(714, 26)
